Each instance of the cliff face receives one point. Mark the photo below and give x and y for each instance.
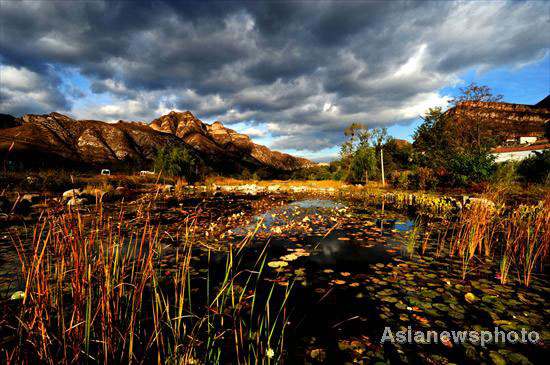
(60, 139)
(216, 139)
(86, 142)
(506, 120)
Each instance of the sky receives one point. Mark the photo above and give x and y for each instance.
(291, 74)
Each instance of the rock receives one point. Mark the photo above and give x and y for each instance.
(113, 195)
(251, 189)
(32, 198)
(219, 140)
(71, 194)
(77, 201)
(481, 201)
(18, 295)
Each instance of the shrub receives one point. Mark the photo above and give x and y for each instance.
(178, 161)
(363, 161)
(536, 168)
(506, 173)
(401, 179)
(468, 168)
(424, 178)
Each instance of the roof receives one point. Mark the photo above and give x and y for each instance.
(534, 147)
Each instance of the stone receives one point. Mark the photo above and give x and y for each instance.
(168, 188)
(71, 194)
(32, 198)
(77, 201)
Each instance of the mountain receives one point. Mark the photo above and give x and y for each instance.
(58, 140)
(507, 120)
(216, 139)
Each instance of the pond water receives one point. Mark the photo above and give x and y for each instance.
(353, 274)
(357, 278)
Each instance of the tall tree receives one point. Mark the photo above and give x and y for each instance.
(434, 140)
(472, 123)
(475, 92)
(351, 131)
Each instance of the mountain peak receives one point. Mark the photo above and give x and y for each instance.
(56, 138)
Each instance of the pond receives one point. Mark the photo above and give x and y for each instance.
(348, 273)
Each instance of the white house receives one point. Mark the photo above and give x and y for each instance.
(517, 153)
(527, 140)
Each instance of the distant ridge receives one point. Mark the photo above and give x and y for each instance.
(56, 139)
(508, 120)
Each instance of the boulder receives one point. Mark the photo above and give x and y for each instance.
(167, 188)
(113, 195)
(77, 201)
(71, 194)
(32, 198)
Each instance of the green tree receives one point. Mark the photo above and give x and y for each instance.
(475, 92)
(433, 139)
(473, 125)
(468, 168)
(178, 161)
(536, 168)
(349, 146)
(363, 164)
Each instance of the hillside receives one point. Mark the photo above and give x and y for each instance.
(58, 140)
(506, 120)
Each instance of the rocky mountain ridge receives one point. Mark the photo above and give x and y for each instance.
(216, 138)
(57, 138)
(507, 120)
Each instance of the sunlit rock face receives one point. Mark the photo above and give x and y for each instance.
(507, 121)
(217, 139)
(89, 142)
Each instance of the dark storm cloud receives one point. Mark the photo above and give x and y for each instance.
(302, 69)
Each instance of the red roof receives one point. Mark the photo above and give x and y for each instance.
(533, 147)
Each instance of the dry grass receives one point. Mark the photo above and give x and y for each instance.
(97, 291)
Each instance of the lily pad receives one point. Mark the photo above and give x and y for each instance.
(471, 298)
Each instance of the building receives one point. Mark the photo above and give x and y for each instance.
(518, 153)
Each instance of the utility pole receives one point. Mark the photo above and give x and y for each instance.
(382, 165)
